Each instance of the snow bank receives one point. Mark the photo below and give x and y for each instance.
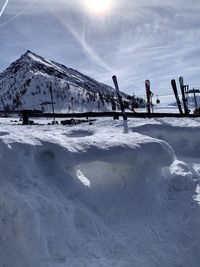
(184, 139)
(92, 196)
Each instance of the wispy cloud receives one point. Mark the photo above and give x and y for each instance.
(3, 8)
(90, 52)
(19, 13)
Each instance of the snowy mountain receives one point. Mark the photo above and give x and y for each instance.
(26, 84)
(169, 100)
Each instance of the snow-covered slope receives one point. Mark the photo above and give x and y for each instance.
(169, 101)
(89, 195)
(26, 85)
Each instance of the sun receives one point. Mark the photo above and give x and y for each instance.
(98, 6)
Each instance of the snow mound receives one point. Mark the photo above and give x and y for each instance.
(101, 198)
(184, 140)
(181, 177)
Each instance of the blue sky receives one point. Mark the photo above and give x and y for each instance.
(134, 39)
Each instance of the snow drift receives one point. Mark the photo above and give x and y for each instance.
(92, 196)
(184, 139)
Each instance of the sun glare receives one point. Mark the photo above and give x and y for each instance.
(98, 6)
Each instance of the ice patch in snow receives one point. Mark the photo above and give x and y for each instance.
(83, 178)
(79, 133)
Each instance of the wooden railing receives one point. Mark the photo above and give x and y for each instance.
(27, 114)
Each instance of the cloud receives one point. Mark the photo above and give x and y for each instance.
(17, 13)
(3, 8)
(88, 50)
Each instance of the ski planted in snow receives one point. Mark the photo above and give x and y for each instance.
(148, 94)
(119, 97)
(173, 83)
(184, 99)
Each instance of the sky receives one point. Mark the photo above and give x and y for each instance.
(133, 39)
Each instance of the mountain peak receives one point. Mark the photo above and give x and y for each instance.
(31, 55)
(28, 52)
(25, 85)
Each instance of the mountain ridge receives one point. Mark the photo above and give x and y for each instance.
(28, 82)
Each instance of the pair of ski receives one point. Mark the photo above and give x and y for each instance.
(126, 130)
(119, 97)
(184, 99)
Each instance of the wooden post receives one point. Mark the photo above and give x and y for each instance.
(51, 92)
(25, 119)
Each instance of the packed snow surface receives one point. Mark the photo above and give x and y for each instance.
(90, 195)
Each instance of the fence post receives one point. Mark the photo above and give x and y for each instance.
(25, 120)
